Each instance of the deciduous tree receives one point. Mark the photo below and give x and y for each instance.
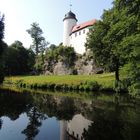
(115, 39)
(16, 59)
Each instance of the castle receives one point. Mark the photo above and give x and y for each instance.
(74, 34)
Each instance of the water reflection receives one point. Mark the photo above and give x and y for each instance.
(0, 123)
(77, 126)
(41, 116)
(35, 121)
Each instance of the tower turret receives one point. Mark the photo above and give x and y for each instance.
(69, 22)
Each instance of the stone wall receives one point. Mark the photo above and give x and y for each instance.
(82, 66)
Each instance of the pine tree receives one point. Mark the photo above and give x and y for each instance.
(1, 47)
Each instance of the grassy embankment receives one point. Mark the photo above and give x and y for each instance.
(97, 82)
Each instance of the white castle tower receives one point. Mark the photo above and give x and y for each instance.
(69, 22)
(76, 35)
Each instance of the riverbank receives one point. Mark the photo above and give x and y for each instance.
(97, 82)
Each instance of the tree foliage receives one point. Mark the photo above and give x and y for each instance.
(1, 33)
(2, 45)
(115, 38)
(60, 53)
(38, 46)
(17, 59)
(39, 42)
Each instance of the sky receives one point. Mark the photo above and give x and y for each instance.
(20, 14)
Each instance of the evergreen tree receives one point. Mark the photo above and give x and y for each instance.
(38, 40)
(1, 47)
(39, 45)
(1, 33)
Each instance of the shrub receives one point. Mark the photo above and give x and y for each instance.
(134, 89)
(65, 87)
(44, 86)
(86, 87)
(23, 85)
(91, 85)
(75, 87)
(122, 86)
(1, 77)
(31, 86)
(58, 87)
(81, 87)
(51, 86)
(35, 85)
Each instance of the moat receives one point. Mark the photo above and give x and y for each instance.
(34, 116)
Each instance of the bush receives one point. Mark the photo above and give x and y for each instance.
(1, 74)
(65, 87)
(58, 87)
(75, 87)
(51, 86)
(122, 86)
(23, 85)
(86, 87)
(134, 89)
(81, 87)
(1, 77)
(35, 85)
(92, 85)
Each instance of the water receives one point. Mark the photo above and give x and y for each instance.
(27, 116)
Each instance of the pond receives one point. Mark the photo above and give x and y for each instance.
(33, 116)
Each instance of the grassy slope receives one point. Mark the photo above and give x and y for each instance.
(105, 80)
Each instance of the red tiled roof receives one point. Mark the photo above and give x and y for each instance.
(83, 25)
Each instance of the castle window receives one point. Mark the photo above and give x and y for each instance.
(79, 32)
(84, 31)
(75, 34)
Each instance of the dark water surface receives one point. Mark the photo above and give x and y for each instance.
(25, 116)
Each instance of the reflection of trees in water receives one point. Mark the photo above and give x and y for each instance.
(105, 126)
(118, 122)
(37, 107)
(35, 121)
(44, 106)
(112, 119)
(12, 105)
(0, 123)
(66, 109)
(63, 107)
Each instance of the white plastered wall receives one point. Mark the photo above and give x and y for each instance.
(68, 25)
(78, 40)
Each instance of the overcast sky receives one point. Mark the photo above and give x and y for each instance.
(20, 14)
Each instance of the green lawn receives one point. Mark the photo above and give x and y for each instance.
(105, 80)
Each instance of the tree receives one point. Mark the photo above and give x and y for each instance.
(11, 61)
(1, 33)
(31, 59)
(16, 59)
(38, 40)
(104, 49)
(109, 40)
(55, 54)
(131, 41)
(39, 45)
(35, 121)
(1, 47)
